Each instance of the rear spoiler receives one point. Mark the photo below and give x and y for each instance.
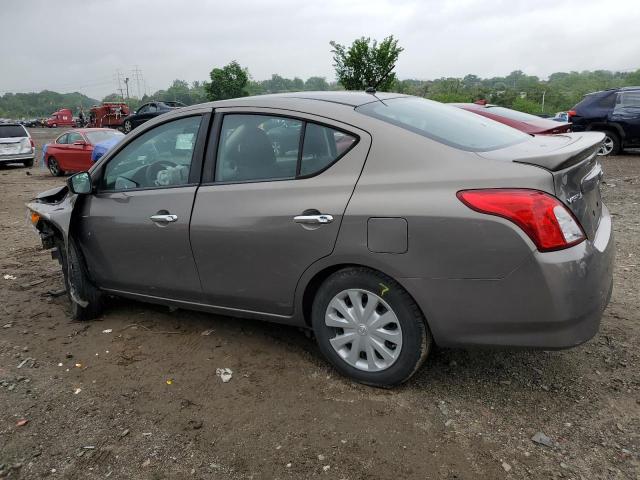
(551, 152)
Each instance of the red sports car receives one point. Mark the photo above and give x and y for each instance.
(71, 152)
(524, 122)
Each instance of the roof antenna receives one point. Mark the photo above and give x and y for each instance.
(372, 89)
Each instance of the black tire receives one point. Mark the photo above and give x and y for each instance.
(28, 163)
(54, 167)
(127, 126)
(416, 337)
(77, 277)
(611, 144)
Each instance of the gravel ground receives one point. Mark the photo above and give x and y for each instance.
(136, 395)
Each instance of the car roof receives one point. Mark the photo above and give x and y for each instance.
(86, 130)
(307, 99)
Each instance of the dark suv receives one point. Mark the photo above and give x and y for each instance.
(616, 112)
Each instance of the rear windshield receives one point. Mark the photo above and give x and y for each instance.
(101, 136)
(12, 131)
(445, 124)
(513, 114)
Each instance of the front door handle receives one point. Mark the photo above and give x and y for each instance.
(163, 218)
(313, 219)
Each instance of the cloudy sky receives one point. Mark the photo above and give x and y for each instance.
(79, 45)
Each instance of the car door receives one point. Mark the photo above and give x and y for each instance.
(76, 156)
(134, 230)
(271, 207)
(140, 116)
(627, 113)
(59, 150)
(147, 114)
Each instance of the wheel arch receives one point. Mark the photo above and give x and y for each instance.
(608, 126)
(314, 279)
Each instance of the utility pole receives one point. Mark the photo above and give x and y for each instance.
(543, 94)
(126, 82)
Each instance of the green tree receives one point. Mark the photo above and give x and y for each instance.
(316, 84)
(229, 81)
(366, 64)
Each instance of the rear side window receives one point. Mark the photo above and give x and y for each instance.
(628, 100)
(445, 124)
(265, 147)
(63, 140)
(12, 131)
(74, 137)
(322, 146)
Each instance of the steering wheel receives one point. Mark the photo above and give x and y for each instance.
(151, 172)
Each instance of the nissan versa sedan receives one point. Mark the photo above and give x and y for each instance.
(383, 222)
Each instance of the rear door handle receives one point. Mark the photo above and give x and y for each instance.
(164, 218)
(313, 219)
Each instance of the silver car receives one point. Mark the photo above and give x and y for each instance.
(383, 222)
(16, 145)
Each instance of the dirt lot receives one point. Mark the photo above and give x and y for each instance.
(143, 401)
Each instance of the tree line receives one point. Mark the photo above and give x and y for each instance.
(363, 64)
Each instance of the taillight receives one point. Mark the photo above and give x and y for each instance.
(547, 222)
(32, 143)
(571, 113)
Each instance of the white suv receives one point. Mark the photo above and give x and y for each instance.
(16, 145)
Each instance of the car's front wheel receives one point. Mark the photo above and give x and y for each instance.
(127, 126)
(610, 145)
(86, 300)
(369, 327)
(54, 167)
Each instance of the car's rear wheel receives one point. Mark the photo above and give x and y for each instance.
(127, 126)
(369, 327)
(54, 167)
(610, 144)
(86, 300)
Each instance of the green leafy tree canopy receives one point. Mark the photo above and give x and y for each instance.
(366, 64)
(229, 81)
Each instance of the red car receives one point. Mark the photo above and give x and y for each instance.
(71, 152)
(524, 122)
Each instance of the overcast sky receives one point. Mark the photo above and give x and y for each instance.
(78, 45)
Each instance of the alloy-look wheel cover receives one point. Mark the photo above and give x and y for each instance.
(366, 331)
(607, 146)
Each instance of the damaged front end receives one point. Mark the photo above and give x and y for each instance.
(50, 212)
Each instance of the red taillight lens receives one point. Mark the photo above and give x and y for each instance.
(540, 215)
(571, 113)
(32, 143)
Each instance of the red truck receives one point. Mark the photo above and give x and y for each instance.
(109, 114)
(61, 118)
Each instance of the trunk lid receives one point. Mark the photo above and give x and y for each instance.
(573, 163)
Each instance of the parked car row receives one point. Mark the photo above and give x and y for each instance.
(384, 223)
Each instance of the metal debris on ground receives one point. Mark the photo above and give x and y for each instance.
(206, 333)
(224, 373)
(6, 276)
(107, 330)
(541, 439)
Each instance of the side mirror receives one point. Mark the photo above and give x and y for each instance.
(80, 183)
(81, 143)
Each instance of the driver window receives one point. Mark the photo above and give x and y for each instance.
(160, 157)
(142, 109)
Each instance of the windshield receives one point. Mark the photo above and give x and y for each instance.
(102, 135)
(445, 124)
(12, 131)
